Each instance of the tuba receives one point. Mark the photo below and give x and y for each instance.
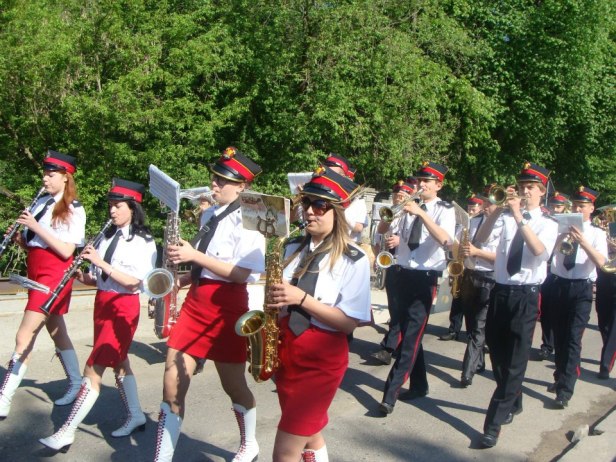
(261, 327)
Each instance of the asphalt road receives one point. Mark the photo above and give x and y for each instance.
(446, 425)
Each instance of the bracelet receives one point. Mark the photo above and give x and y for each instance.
(303, 299)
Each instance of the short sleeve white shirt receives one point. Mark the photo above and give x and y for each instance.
(584, 267)
(71, 232)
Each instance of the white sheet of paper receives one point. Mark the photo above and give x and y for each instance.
(298, 179)
(566, 220)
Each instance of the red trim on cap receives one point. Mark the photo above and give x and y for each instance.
(341, 164)
(560, 198)
(339, 190)
(435, 172)
(70, 168)
(127, 192)
(475, 200)
(240, 168)
(587, 195)
(531, 171)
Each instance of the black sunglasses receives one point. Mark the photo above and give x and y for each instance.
(319, 206)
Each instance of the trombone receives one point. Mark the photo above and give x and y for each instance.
(388, 214)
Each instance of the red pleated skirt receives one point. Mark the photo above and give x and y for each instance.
(312, 367)
(206, 326)
(116, 317)
(46, 267)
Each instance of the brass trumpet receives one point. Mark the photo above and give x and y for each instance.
(566, 245)
(388, 214)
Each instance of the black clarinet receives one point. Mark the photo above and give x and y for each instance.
(7, 239)
(68, 274)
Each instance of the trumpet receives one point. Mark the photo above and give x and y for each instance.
(384, 259)
(566, 245)
(498, 195)
(388, 214)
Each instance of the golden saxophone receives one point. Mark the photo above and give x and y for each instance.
(456, 266)
(261, 327)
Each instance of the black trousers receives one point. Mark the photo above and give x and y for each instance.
(392, 338)
(606, 315)
(475, 296)
(569, 312)
(415, 290)
(547, 332)
(510, 324)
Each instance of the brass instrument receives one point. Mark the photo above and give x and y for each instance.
(15, 227)
(261, 327)
(497, 195)
(608, 213)
(566, 245)
(455, 267)
(384, 259)
(388, 214)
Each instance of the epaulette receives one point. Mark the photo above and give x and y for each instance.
(549, 216)
(76, 203)
(445, 204)
(353, 252)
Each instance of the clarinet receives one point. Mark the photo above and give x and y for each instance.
(7, 239)
(68, 274)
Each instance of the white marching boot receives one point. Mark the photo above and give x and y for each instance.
(247, 421)
(64, 437)
(135, 418)
(315, 455)
(15, 372)
(70, 364)
(167, 434)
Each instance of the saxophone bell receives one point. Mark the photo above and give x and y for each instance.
(158, 283)
(384, 259)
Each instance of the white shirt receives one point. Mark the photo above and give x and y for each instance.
(346, 287)
(234, 244)
(490, 245)
(430, 255)
(136, 258)
(534, 268)
(73, 232)
(356, 212)
(584, 267)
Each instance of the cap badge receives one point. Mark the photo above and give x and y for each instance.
(228, 153)
(319, 171)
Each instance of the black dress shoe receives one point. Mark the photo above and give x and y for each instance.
(382, 356)
(561, 402)
(489, 441)
(543, 354)
(466, 381)
(449, 336)
(412, 394)
(552, 388)
(480, 369)
(511, 415)
(386, 408)
(603, 375)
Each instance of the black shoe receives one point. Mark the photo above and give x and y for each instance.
(489, 441)
(449, 336)
(543, 354)
(552, 388)
(511, 415)
(603, 375)
(386, 408)
(412, 394)
(382, 356)
(480, 369)
(561, 402)
(466, 381)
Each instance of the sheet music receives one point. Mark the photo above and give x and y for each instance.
(462, 216)
(566, 220)
(298, 179)
(164, 188)
(264, 213)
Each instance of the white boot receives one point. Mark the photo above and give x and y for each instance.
(247, 421)
(167, 434)
(64, 437)
(15, 372)
(315, 455)
(70, 364)
(135, 418)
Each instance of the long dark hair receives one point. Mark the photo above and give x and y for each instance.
(137, 222)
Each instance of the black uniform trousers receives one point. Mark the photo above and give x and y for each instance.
(606, 316)
(475, 296)
(456, 314)
(569, 312)
(416, 291)
(392, 338)
(510, 324)
(547, 331)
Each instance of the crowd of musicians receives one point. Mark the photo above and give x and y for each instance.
(518, 267)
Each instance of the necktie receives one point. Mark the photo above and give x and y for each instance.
(514, 262)
(416, 228)
(477, 229)
(205, 235)
(38, 216)
(569, 261)
(110, 250)
(299, 320)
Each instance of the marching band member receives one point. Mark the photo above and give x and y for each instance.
(52, 231)
(401, 191)
(421, 256)
(477, 283)
(605, 304)
(525, 244)
(123, 259)
(329, 294)
(225, 257)
(571, 292)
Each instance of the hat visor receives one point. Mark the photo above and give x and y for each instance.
(114, 196)
(51, 167)
(311, 190)
(226, 173)
(530, 178)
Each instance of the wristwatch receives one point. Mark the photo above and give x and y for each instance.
(523, 222)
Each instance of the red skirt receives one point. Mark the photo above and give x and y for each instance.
(312, 367)
(115, 321)
(46, 267)
(206, 326)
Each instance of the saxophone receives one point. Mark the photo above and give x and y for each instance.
(261, 327)
(456, 266)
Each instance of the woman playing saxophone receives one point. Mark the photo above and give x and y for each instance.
(326, 289)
